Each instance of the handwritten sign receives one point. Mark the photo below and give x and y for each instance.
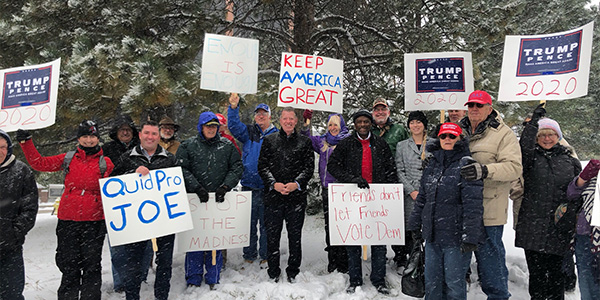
(373, 216)
(218, 225)
(546, 67)
(138, 208)
(311, 82)
(29, 96)
(436, 81)
(229, 64)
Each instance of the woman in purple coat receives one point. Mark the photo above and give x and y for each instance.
(324, 145)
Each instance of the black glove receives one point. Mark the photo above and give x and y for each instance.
(538, 113)
(23, 135)
(362, 183)
(472, 170)
(220, 193)
(417, 236)
(467, 247)
(202, 194)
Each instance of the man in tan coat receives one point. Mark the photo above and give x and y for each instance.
(168, 139)
(497, 160)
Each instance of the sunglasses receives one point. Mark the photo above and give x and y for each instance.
(479, 105)
(447, 135)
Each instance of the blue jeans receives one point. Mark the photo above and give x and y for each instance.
(12, 273)
(491, 264)
(445, 270)
(196, 261)
(118, 260)
(589, 288)
(257, 217)
(377, 265)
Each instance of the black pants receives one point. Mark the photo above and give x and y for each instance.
(134, 254)
(12, 273)
(337, 256)
(401, 252)
(293, 215)
(546, 279)
(78, 257)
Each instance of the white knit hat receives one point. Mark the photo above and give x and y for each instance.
(547, 123)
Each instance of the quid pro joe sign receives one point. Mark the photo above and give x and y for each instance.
(138, 208)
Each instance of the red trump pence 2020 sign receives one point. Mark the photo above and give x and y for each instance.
(311, 82)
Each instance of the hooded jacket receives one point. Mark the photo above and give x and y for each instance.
(324, 146)
(18, 200)
(81, 200)
(495, 145)
(116, 148)
(546, 174)
(251, 136)
(448, 209)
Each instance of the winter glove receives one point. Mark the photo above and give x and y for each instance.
(202, 194)
(220, 193)
(362, 183)
(467, 247)
(23, 135)
(473, 170)
(307, 114)
(591, 170)
(538, 113)
(417, 236)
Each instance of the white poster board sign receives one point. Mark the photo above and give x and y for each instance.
(546, 67)
(138, 208)
(29, 96)
(311, 82)
(229, 64)
(218, 225)
(373, 216)
(437, 81)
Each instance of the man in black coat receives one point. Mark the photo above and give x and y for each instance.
(364, 158)
(18, 208)
(286, 164)
(141, 159)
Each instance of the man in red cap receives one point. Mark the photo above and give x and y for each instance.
(497, 160)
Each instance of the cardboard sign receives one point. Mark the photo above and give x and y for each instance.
(138, 208)
(229, 64)
(373, 216)
(218, 225)
(29, 96)
(546, 67)
(311, 82)
(436, 81)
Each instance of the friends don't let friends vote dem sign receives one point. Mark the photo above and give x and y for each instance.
(373, 216)
(138, 208)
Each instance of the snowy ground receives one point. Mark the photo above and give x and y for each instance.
(243, 281)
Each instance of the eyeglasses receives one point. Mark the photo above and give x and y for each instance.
(261, 113)
(443, 136)
(471, 104)
(381, 108)
(167, 127)
(549, 135)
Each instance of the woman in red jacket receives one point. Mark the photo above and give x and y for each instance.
(80, 230)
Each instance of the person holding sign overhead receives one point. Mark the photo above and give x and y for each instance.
(149, 155)
(210, 163)
(364, 158)
(252, 136)
(80, 229)
(448, 214)
(285, 164)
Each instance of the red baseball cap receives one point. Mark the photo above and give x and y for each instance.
(222, 119)
(450, 128)
(481, 97)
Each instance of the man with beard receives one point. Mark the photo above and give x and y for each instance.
(168, 138)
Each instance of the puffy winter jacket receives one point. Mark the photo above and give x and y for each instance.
(18, 203)
(448, 209)
(81, 200)
(495, 145)
(547, 174)
(251, 136)
(209, 163)
(286, 159)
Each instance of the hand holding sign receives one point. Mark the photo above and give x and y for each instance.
(234, 100)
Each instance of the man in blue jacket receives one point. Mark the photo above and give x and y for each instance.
(252, 136)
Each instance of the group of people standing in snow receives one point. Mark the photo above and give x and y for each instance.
(456, 182)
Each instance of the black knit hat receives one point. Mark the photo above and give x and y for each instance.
(364, 113)
(417, 115)
(88, 127)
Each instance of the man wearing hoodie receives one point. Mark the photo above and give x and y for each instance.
(210, 163)
(18, 208)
